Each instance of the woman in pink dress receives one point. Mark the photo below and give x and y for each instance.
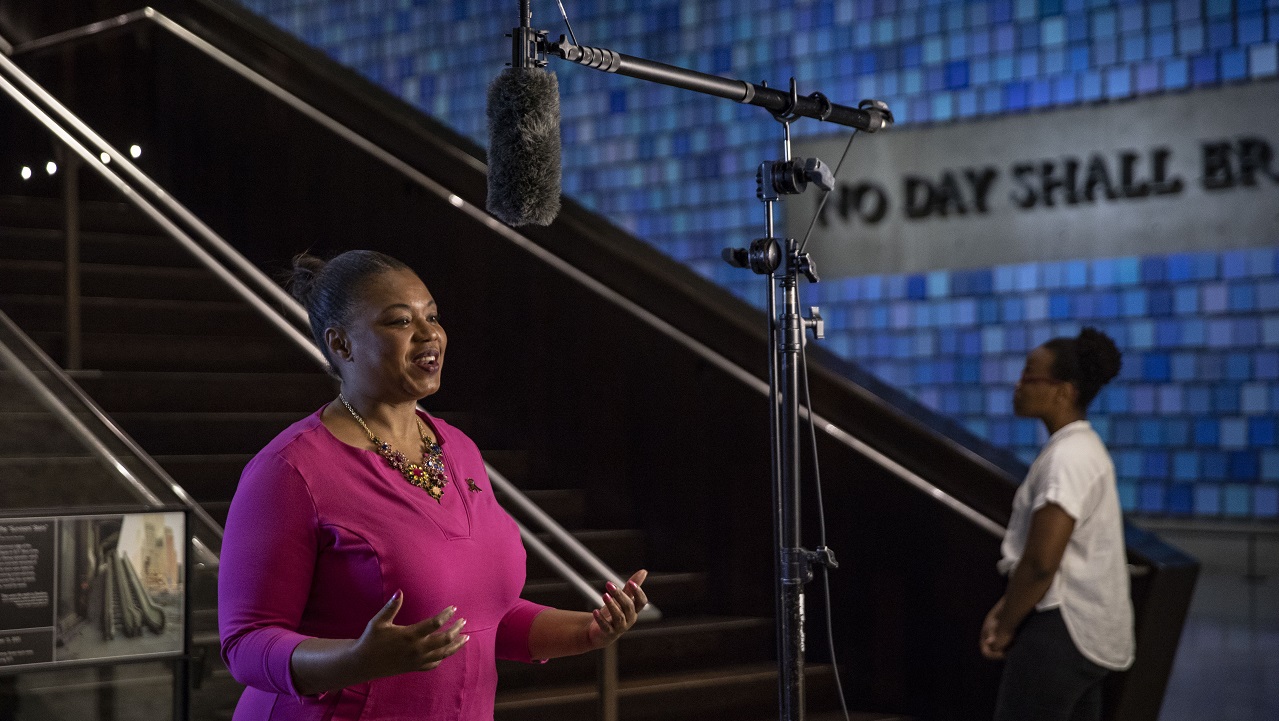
(367, 571)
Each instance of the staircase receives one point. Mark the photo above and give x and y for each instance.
(201, 383)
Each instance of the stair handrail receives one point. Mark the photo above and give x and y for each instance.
(272, 314)
(90, 440)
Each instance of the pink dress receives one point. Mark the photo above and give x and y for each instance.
(321, 534)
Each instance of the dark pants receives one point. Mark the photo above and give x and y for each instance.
(1045, 677)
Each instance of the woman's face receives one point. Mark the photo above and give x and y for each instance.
(1037, 393)
(392, 346)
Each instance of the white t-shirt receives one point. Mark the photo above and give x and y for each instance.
(1075, 472)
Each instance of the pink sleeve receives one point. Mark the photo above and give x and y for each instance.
(513, 632)
(268, 556)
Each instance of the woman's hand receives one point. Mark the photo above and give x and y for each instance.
(995, 639)
(621, 609)
(387, 649)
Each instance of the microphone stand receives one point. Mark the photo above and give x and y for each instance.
(793, 564)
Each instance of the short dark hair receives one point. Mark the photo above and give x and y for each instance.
(327, 289)
(1089, 361)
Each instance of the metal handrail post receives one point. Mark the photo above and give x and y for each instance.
(608, 683)
(74, 358)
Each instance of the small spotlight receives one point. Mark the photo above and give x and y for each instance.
(106, 159)
(455, 200)
(26, 173)
(50, 167)
(135, 151)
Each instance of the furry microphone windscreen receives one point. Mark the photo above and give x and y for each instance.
(524, 146)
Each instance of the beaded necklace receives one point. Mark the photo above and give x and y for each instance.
(429, 476)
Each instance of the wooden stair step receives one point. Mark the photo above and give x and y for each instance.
(48, 277)
(128, 391)
(675, 593)
(153, 352)
(22, 211)
(671, 644)
(721, 692)
(143, 249)
(47, 313)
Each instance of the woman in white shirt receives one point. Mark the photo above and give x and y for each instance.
(1065, 619)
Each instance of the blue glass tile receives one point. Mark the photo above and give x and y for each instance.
(1270, 331)
(1102, 24)
(1234, 64)
(1238, 500)
(1134, 48)
(1216, 465)
(1176, 73)
(1148, 78)
(1160, 14)
(1076, 28)
(1221, 34)
(1270, 465)
(1266, 501)
(1203, 69)
(1207, 499)
(1234, 432)
(1157, 367)
(1263, 60)
(1188, 9)
(1252, 29)
(1161, 44)
(1218, 8)
(1053, 31)
(1091, 86)
(1265, 365)
(1185, 465)
(1225, 398)
(1078, 58)
(1127, 495)
(1151, 499)
(1149, 434)
(1119, 82)
(1001, 11)
(957, 75)
(1261, 432)
(1190, 38)
(1180, 499)
(1206, 432)
(1105, 51)
(1239, 366)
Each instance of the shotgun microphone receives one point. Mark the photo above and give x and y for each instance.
(524, 134)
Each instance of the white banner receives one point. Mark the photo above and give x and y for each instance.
(1185, 172)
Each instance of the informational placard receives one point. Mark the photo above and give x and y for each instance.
(1195, 171)
(91, 588)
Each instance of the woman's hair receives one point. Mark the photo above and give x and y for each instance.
(328, 289)
(1089, 360)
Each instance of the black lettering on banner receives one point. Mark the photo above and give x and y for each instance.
(1217, 171)
(1255, 155)
(1098, 176)
(1027, 198)
(981, 182)
(1132, 187)
(919, 197)
(947, 196)
(1067, 182)
(865, 201)
(1160, 183)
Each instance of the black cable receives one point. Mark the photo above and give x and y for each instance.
(566, 22)
(822, 203)
(821, 523)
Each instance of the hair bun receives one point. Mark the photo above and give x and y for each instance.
(1099, 357)
(301, 281)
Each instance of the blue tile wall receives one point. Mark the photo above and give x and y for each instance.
(1192, 419)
